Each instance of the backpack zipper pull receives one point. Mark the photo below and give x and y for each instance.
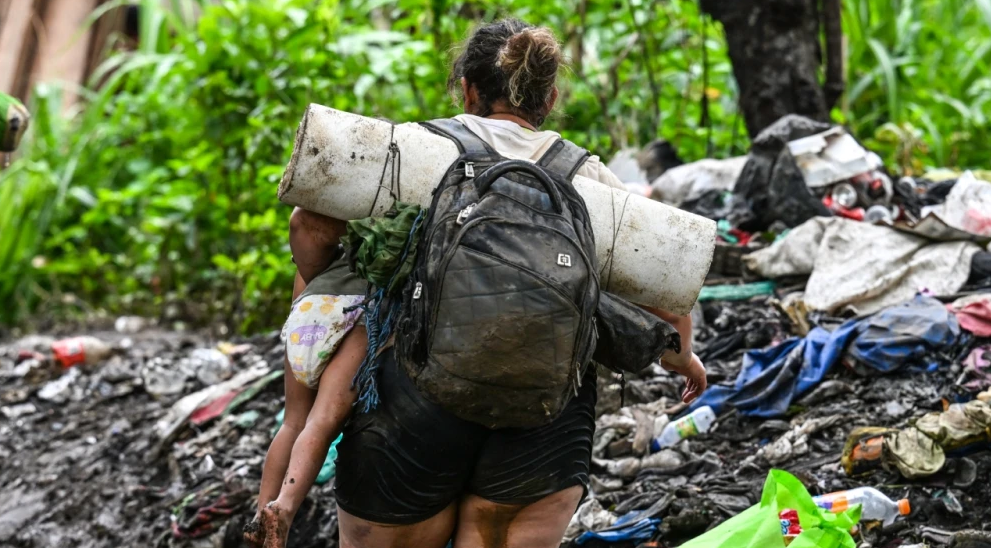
(418, 291)
(463, 216)
(469, 170)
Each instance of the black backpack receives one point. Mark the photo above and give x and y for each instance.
(497, 323)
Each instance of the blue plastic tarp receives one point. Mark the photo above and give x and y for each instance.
(772, 378)
(632, 526)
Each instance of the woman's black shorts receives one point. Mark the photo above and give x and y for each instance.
(408, 459)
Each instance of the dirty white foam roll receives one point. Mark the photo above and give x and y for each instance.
(648, 252)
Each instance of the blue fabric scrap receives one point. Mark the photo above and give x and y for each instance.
(628, 527)
(900, 336)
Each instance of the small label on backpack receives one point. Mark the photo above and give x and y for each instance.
(563, 259)
(469, 170)
(417, 291)
(463, 215)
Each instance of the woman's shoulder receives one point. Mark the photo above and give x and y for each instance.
(594, 169)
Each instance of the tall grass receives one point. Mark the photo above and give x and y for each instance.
(919, 80)
(36, 187)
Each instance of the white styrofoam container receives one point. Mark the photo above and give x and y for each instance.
(659, 255)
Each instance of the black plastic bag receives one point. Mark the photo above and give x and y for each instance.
(771, 186)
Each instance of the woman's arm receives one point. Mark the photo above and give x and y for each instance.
(685, 363)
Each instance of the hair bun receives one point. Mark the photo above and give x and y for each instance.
(530, 60)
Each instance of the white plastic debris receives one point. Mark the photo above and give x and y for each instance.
(689, 181)
(831, 156)
(60, 389)
(15, 411)
(130, 324)
(211, 365)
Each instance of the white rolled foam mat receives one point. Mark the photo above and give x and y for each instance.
(648, 252)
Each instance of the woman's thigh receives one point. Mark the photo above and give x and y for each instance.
(486, 524)
(434, 532)
(527, 483)
(407, 461)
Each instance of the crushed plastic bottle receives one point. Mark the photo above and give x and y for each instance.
(84, 350)
(693, 424)
(876, 506)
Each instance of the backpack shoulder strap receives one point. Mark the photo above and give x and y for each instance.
(466, 139)
(564, 158)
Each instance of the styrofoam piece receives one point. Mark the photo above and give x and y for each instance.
(831, 156)
(648, 253)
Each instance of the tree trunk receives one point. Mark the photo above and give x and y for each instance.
(775, 50)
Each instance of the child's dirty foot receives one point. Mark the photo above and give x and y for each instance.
(254, 535)
(275, 526)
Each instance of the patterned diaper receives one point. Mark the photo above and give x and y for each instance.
(316, 326)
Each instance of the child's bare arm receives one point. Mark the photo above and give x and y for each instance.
(299, 400)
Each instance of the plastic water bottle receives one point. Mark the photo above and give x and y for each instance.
(84, 350)
(876, 505)
(695, 423)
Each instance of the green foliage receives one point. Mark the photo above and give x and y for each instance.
(919, 80)
(157, 195)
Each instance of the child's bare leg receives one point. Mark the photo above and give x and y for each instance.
(325, 421)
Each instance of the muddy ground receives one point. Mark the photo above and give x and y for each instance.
(89, 470)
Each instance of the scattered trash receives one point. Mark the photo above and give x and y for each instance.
(737, 292)
(874, 505)
(247, 419)
(863, 268)
(967, 206)
(15, 411)
(589, 517)
(761, 525)
(60, 390)
(771, 186)
(162, 379)
(211, 365)
(205, 511)
(692, 424)
(130, 324)
(690, 181)
(898, 337)
(80, 350)
(974, 312)
(976, 373)
(795, 442)
(920, 450)
(626, 528)
(831, 156)
(961, 425)
(168, 426)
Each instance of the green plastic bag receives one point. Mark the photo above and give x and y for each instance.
(760, 527)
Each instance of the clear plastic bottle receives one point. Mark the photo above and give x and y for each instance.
(83, 350)
(696, 422)
(876, 505)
